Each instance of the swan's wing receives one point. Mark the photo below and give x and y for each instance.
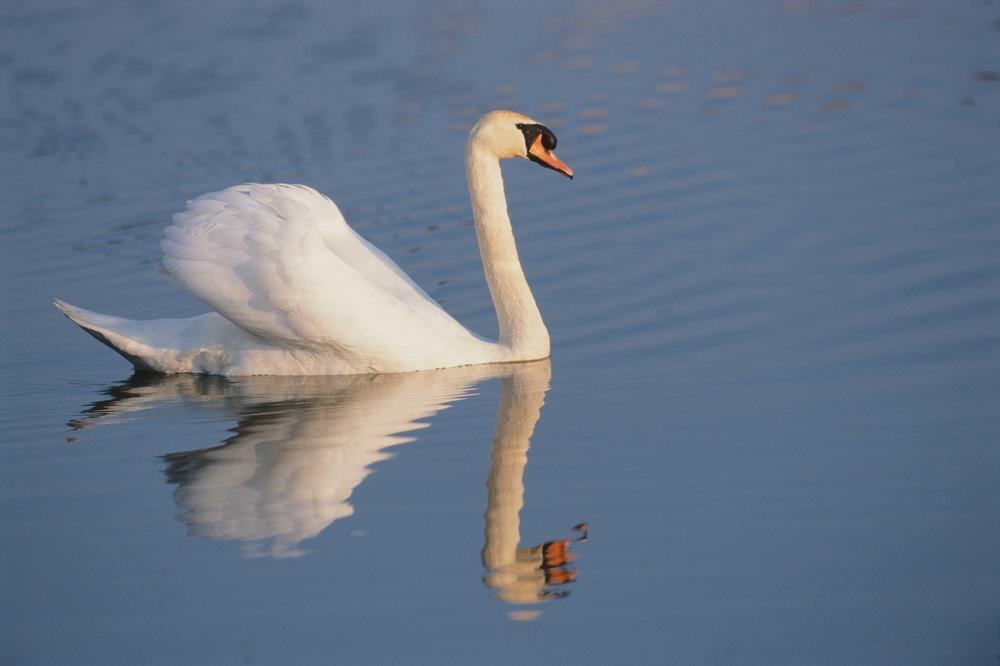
(280, 262)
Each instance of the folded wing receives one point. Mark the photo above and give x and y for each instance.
(281, 262)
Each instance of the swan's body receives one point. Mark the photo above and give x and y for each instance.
(295, 290)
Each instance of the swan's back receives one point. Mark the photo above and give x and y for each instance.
(280, 262)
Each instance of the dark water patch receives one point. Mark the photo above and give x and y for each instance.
(356, 43)
(270, 23)
(212, 77)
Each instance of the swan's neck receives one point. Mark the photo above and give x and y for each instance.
(522, 332)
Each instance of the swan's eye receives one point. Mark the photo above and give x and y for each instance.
(531, 133)
(548, 138)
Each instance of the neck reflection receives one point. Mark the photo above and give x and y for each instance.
(520, 575)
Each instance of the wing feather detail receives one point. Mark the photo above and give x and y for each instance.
(281, 262)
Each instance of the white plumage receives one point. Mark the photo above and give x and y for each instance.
(295, 290)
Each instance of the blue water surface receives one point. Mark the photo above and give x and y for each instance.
(773, 290)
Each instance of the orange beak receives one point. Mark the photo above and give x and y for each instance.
(537, 153)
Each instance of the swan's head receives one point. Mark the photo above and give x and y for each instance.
(508, 134)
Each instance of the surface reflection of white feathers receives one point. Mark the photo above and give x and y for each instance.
(294, 459)
(301, 445)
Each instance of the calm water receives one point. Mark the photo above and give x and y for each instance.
(773, 291)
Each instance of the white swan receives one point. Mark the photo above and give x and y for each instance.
(296, 291)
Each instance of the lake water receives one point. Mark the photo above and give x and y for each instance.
(773, 291)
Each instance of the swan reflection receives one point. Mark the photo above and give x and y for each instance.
(301, 445)
(519, 575)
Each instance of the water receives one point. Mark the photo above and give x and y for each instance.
(772, 288)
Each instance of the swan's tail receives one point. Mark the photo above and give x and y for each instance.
(112, 331)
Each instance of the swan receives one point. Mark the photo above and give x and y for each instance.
(296, 291)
